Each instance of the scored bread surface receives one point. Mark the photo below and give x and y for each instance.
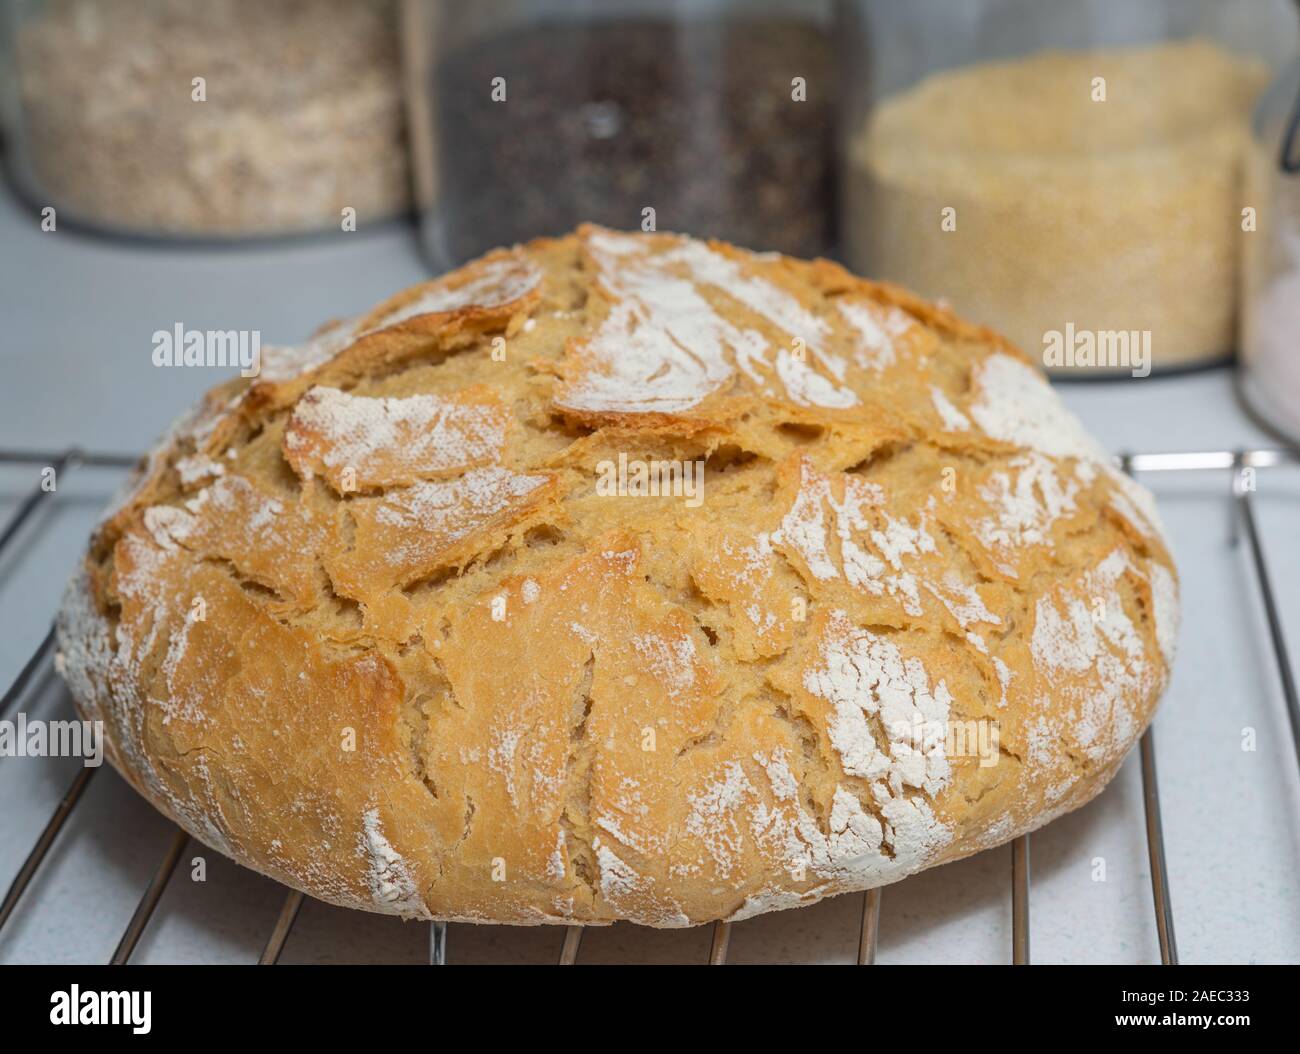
(374, 624)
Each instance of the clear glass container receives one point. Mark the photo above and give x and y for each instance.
(220, 119)
(712, 117)
(1270, 334)
(1068, 172)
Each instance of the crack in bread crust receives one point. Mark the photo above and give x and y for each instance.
(375, 624)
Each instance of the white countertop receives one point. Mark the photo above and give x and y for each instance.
(78, 313)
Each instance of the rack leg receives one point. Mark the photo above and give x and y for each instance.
(275, 943)
(721, 938)
(867, 936)
(572, 941)
(1270, 610)
(437, 944)
(25, 674)
(1156, 852)
(34, 499)
(1020, 901)
(152, 894)
(52, 828)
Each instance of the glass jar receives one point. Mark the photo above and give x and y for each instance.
(1068, 172)
(226, 118)
(712, 117)
(1270, 334)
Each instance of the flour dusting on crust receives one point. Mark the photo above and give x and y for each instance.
(877, 327)
(1017, 405)
(391, 883)
(361, 442)
(664, 346)
(866, 677)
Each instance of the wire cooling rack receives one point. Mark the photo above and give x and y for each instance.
(1240, 465)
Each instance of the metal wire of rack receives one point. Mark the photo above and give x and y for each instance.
(1240, 463)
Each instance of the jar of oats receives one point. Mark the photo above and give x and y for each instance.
(226, 118)
(1069, 172)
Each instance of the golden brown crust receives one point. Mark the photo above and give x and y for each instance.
(393, 624)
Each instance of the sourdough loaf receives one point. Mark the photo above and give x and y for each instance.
(623, 576)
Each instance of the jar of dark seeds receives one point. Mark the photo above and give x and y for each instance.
(710, 117)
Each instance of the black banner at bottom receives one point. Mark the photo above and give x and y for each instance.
(372, 1003)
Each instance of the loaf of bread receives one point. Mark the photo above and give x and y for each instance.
(623, 576)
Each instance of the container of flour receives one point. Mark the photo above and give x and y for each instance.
(1070, 172)
(1270, 331)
